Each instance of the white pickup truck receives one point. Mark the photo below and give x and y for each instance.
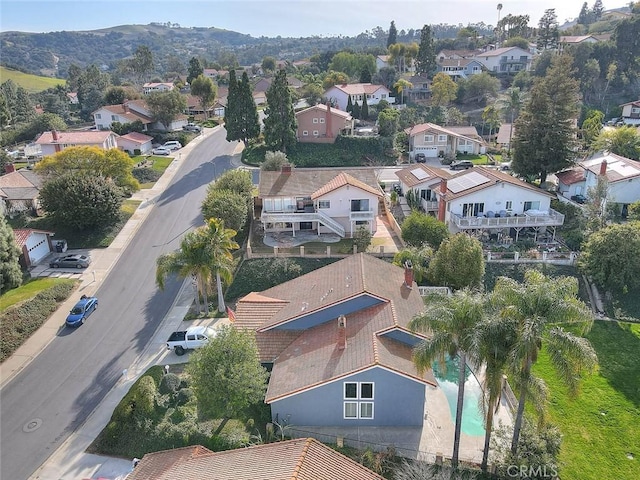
(193, 337)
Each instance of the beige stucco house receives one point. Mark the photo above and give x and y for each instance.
(322, 124)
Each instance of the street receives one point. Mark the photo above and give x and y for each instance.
(56, 392)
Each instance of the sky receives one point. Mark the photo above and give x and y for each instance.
(272, 18)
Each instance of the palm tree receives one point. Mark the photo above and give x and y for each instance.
(201, 255)
(450, 321)
(400, 85)
(537, 306)
(511, 106)
(490, 115)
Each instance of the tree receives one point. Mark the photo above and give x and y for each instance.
(458, 263)
(273, 161)
(419, 257)
(451, 321)
(10, 272)
(82, 201)
(195, 69)
(141, 64)
(584, 17)
(238, 181)
(351, 63)
(511, 105)
(393, 34)
(5, 113)
(280, 121)
(119, 95)
(597, 10)
(591, 127)
(400, 86)
(365, 75)
(426, 60)
(269, 64)
(226, 375)
(544, 139)
(247, 113)
(481, 87)
(419, 229)
(228, 206)
(362, 238)
(364, 109)
(520, 42)
(205, 90)
(634, 211)
(388, 122)
(609, 257)
(23, 110)
(491, 117)
(548, 30)
(113, 164)
(349, 104)
(623, 141)
(165, 107)
(443, 90)
(231, 112)
(334, 78)
(42, 123)
(537, 306)
(219, 243)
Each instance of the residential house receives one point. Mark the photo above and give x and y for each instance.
(420, 88)
(302, 459)
(53, 142)
(481, 200)
(337, 343)
(468, 131)
(434, 140)
(572, 40)
(456, 54)
(339, 94)
(131, 111)
(163, 87)
(73, 98)
(505, 135)
(382, 61)
(263, 84)
(460, 68)
(211, 73)
(622, 177)
(631, 113)
(19, 191)
(135, 143)
(322, 124)
(260, 98)
(505, 60)
(324, 200)
(34, 245)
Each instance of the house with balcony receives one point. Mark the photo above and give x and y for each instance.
(322, 124)
(631, 113)
(435, 141)
(157, 87)
(505, 60)
(482, 201)
(322, 200)
(337, 345)
(54, 141)
(339, 94)
(131, 111)
(460, 67)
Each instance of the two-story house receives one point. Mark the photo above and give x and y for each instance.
(148, 88)
(631, 113)
(433, 140)
(131, 111)
(54, 141)
(323, 200)
(322, 124)
(460, 68)
(505, 60)
(339, 94)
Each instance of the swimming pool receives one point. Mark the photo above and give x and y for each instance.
(472, 418)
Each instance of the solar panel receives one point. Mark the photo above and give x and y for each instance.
(420, 174)
(467, 181)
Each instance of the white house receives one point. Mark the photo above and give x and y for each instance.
(358, 92)
(434, 140)
(631, 113)
(505, 60)
(460, 68)
(382, 61)
(53, 142)
(130, 112)
(323, 200)
(34, 245)
(135, 141)
(148, 88)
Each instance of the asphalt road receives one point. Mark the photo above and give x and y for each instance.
(54, 394)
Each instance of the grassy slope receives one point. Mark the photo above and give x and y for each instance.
(599, 427)
(26, 291)
(31, 83)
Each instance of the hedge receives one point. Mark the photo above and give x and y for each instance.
(19, 322)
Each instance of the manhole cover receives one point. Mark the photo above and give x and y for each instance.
(32, 425)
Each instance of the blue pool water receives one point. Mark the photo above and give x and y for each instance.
(472, 418)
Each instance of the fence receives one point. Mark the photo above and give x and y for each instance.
(555, 258)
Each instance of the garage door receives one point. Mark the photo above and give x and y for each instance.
(430, 152)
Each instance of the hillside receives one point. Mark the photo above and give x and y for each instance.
(31, 83)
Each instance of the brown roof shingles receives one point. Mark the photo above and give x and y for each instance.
(341, 180)
(434, 175)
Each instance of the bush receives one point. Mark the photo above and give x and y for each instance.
(185, 396)
(138, 404)
(146, 175)
(170, 383)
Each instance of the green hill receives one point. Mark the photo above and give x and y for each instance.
(31, 83)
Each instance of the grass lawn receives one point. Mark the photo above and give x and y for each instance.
(31, 83)
(624, 306)
(81, 239)
(600, 426)
(26, 291)
(159, 165)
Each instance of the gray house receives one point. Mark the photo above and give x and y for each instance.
(337, 344)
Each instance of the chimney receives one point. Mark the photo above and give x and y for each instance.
(286, 169)
(327, 121)
(603, 168)
(342, 332)
(54, 134)
(441, 201)
(408, 274)
(125, 107)
(9, 167)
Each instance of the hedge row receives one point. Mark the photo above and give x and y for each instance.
(19, 322)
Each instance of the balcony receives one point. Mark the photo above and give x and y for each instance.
(530, 218)
(362, 215)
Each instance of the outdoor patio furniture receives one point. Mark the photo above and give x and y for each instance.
(490, 214)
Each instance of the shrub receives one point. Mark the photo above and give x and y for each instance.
(146, 175)
(185, 396)
(170, 383)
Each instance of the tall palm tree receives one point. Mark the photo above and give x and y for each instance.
(491, 116)
(219, 244)
(538, 306)
(400, 85)
(450, 322)
(511, 106)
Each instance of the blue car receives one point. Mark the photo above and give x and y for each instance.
(81, 311)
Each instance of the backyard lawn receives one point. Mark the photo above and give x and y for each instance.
(26, 291)
(600, 427)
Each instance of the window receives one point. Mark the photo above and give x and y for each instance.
(305, 133)
(360, 205)
(98, 116)
(354, 391)
(384, 95)
(315, 120)
(531, 206)
(442, 138)
(114, 118)
(472, 209)
(322, 120)
(324, 204)
(508, 205)
(428, 138)
(315, 133)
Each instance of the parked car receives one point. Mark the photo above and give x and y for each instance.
(579, 198)
(172, 145)
(192, 127)
(505, 166)
(71, 261)
(78, 314)
(461, 165)
(161, 151)
(193, 337)
(421, 158)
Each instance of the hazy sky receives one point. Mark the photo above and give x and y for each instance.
(287, 18)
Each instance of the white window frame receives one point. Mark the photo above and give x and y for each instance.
(305, 133)
(322, 120)
(344, 411)
(442, 138)
(98, 116)
(315, 120)
(360, 414)
(428, 138)
(359, 401)
(315, 133)
(508, 205)
(324, 204)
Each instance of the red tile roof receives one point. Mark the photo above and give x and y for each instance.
(22, 235)
(323, 108)
(299, 459)
(360, 88)
(569, 177)
(76, 138)
(340, 181)
(137, 137)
